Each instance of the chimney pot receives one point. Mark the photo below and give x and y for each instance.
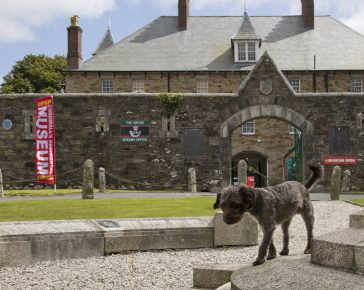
(74, 55)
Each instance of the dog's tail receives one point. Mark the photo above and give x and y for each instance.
(317, 174)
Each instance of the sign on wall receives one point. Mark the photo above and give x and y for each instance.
(7, 124)
(134, 130)
(340, 160)
(45, 156)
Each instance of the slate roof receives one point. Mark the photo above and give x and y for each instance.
(247, 30)
(206, 45)
(107, 41)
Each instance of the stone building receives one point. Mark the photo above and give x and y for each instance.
(276, 91)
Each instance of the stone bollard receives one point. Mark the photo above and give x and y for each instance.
(88, 180)
(242, 172)
(345, 187)
(192, 180)
(335, 184)
(1, 185)
(102, 180)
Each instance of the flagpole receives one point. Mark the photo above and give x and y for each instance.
(55, 188)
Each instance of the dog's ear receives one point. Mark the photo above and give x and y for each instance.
(248, 195)
(217, 202)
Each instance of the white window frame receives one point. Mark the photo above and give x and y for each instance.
(295, 84)
(202, 86)
(248, 128)
(246, 51)
(356, 85)
(107, 86)
(138, 85)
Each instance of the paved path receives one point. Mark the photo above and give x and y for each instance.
(314, 196)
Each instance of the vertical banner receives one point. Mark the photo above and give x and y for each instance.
(45, 157)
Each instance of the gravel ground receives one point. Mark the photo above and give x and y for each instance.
(161, 269)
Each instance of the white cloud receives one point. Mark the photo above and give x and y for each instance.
(19, 18)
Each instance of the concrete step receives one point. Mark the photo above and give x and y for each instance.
(343, 249)
(357, 220)
(293, 273)
(213, 276)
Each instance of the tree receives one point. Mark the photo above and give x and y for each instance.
(35, 74)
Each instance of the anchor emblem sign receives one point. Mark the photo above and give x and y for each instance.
(266, 87)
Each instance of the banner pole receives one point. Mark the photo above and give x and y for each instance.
(55, 188)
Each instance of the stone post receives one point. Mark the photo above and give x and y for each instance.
(192, 180)
(1, 185)
(335, 184)
(242, 172)
(346, 181)
(88, 180)
(102, 180)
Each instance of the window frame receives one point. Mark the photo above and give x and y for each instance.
(138, 86)
(246, 130)
(291, 81)
(202, 89)
(243, 49)
(107, 89)
(356, 88)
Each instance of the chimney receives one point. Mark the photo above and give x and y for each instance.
(74, 55)
(308, 13)
(183, 13)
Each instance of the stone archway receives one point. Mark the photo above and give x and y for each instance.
(287, 115)
(272, 111)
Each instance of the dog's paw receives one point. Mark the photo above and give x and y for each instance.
(258, 262)
(284, 252)
(271, 256)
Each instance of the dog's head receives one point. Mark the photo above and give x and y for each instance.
(234, 202)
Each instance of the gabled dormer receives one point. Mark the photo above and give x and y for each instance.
(106, 41)
(246, 42)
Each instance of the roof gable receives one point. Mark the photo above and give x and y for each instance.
(247, 30)
(106, 41)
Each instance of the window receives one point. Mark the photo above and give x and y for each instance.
(295, 84)
(248, 128)
(107, 86)
(202, 86)
(339, 140)
(169, 124)
(245, 51)
(193, 142)
(138, 85)
(356, 85)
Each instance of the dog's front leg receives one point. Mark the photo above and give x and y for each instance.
(267, 237)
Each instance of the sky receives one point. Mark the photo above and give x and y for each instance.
(40, 26)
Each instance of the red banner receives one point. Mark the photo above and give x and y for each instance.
(340, 160)
(251, 181)
(45, 157)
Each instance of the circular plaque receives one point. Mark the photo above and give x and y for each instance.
(7, 124)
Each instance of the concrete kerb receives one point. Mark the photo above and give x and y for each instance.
(30, 242)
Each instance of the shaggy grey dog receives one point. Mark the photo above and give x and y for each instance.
(271, 206)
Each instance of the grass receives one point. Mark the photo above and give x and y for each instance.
(360, 201)
(37, 210)
(50, 192)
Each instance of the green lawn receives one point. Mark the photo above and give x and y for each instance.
(49, 192)
(105, 208)
(360, 201)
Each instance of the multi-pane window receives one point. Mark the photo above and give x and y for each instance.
(248, 128)
(106, 86)
(138, 85)
(295, 84)
(202, 86)
(251, 51)
(356, 85)
(245, 51)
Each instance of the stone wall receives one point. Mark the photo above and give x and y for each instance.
(186, 82)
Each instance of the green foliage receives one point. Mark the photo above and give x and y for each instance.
(68, 209)
(170, 102)
(35, 74)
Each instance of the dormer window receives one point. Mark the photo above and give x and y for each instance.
(246, 51)
(246, 41)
